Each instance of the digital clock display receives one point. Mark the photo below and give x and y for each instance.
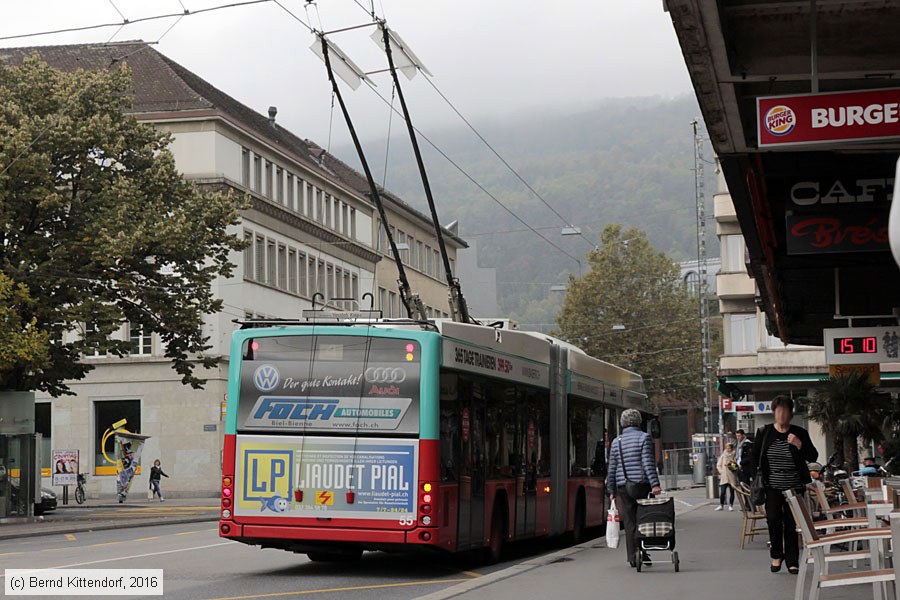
(856, 345)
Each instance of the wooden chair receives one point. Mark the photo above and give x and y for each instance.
(817, 546)
(753, 515)
(835, 513)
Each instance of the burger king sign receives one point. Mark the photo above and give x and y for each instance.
(828, 118)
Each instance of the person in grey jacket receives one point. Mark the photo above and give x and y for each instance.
(631, 453)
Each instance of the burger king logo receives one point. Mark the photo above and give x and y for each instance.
(780, 120)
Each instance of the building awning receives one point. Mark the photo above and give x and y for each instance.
(804, 378)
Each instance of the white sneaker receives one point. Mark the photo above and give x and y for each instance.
(731, 508)
(718, 508)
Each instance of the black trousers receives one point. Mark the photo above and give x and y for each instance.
(723, 489)
(627, 507)
(782, 528)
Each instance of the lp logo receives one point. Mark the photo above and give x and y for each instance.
(267, 473)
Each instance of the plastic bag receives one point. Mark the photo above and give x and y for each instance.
(612, 527)
(150, 494)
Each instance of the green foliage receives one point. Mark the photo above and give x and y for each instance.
(847, 407)
(22, 344)
(99, 226)
(630, 284)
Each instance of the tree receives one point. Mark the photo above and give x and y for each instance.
(848, 407)
(21, 343)
(99, 227)
(630, 284)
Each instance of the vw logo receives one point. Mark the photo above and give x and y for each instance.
(385, 375)
(266, 378)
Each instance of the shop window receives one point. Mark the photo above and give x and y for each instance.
(106, 413)
(43, 426)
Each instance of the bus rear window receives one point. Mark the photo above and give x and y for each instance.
(338, 384)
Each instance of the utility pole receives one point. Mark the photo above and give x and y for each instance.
(705, 364)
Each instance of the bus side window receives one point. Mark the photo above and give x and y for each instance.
(449, 427)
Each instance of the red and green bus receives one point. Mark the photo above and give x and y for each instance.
(393, 435)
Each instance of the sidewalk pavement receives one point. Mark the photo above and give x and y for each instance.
(712, 567)
(104, 514)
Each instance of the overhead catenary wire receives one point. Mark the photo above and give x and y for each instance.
(465, 173)
(19, 36)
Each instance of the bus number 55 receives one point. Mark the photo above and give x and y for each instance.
(406, 522)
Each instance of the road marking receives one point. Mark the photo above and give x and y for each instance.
(345, 589)
(471, 573)
(155, 537)
(105, 544)
(187, 533)
(70, 537)
(132, 557)
(10, 553)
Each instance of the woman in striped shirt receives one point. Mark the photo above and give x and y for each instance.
(782, 451)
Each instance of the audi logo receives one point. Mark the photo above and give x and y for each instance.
(385, 375)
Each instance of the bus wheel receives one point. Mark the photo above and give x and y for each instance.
(578, 530)
(492, 553)
(350, 556)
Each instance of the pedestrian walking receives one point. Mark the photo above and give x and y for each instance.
(155, 473)
(782, 452)
(743, 455)
(632, 475)
(726, 466)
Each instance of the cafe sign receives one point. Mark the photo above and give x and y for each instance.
(811, 119)
(837, 232)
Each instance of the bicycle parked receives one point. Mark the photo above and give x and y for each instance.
(79, 489)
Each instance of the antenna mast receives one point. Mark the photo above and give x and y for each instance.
(415, 309)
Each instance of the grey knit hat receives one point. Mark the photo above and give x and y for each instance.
(630, 418)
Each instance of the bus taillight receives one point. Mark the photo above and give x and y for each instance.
(298, 495)
(227, 494)
(426, 495)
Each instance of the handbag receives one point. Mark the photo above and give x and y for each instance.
(635, 489)
(758, 485)
(612, 527)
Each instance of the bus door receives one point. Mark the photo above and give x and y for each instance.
(472, 465)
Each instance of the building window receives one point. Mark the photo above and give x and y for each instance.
(42, 425)
(245, 167)
(420, 256)
(248, 255)
(428, 260)
(354, 287)
(329, 290)
(733, 254)
(353, 223)
(328, 209)
(309, 195)
(382, 300)
(301, 259)
(438, 267)
(107, 412)
(740, 334)
(260, 249)
(279, 185)
(140, 341)
(393, 304)
(292, 270)
(345, 219)
(257, 174)
(268, 192)
(452, 265)
(282, 267)
(337, 214)
(290, 192)
(270, 262)
(321, 282)
(320, 205)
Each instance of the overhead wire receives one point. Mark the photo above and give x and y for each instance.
(124, 22)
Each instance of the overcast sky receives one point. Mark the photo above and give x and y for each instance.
(490, 57)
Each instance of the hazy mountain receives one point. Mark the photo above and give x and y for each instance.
(627, 161)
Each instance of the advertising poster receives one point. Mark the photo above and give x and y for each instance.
(128, 457)
(311, 477)
(64, 464)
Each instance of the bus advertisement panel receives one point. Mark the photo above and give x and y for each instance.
(319, 477)
(329, 384)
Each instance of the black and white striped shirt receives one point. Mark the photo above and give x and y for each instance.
(783, 473)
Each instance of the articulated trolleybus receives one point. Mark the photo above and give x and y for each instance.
(393, 435)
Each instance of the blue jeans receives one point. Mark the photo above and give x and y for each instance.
(154, 485)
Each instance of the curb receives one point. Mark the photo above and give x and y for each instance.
(109, 526)
(528, 565)
(518, 569)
